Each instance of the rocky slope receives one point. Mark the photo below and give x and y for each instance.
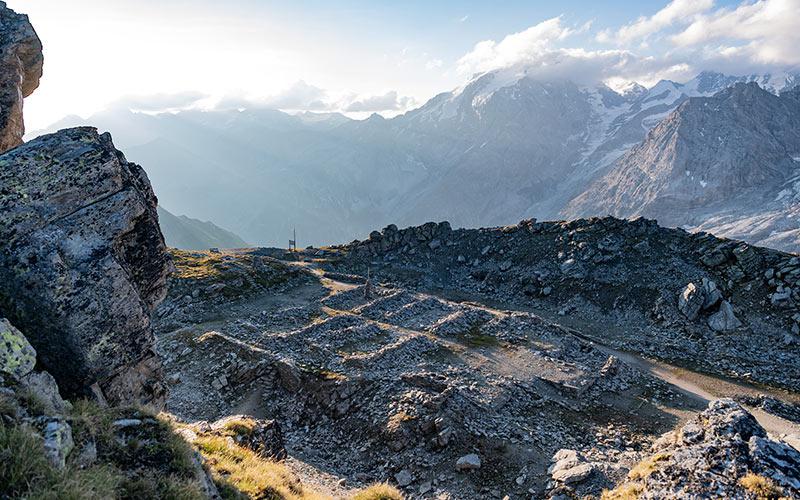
(21, 63)
(616, 281)
(716, 162)
(472, 392)
(84, 263)
(186, 233)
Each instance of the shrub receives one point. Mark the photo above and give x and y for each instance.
(762, 487)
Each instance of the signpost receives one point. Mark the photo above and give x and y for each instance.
(293, 241)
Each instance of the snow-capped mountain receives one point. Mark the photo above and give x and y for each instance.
(729, 164)
(503, 147)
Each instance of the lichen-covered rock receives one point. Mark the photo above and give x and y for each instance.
(20, 69)
(58, 443)
(723, 450)
(17, 356)
(83, 263)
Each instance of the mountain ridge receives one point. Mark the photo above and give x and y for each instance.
(502, 147)
(733, 153)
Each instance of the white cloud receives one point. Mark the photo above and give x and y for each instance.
(513, 49)
(389, 101)
(677, 42)
(766, 32)
(677, 11)
(538, 52)
(463, 19)
(300, 95)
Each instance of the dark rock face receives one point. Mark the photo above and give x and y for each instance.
(84, 263)
(20, 69)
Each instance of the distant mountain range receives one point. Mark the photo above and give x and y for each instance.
(503, 147)
(186, 233)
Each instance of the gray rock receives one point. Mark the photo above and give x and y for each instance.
(404, 478)
(724, 320)
(690, 301)
(85, 263)
(573, 474)
(42, 386)
(468, 462)
(711, 294)
(720, 446)
(58, 443)
(126, 422)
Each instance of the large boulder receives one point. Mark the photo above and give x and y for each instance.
(20, 69)
(83, 263)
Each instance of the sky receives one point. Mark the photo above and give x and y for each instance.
(360, 56)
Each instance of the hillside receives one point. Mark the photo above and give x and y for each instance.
(186, 233)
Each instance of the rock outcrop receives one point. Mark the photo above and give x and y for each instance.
(83, 264)
(20, 69)
(723, 450)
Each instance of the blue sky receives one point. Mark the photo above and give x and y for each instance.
(365, 56)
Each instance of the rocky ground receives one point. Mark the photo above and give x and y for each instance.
(445, 398)
(710, 304)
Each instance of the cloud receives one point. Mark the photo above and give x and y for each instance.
(675, 11)
(516, 48)
(538, 53)
(463, 18)
(677, 42)
(389, 101)
(766, 32)
(155, 103)
(299, 96)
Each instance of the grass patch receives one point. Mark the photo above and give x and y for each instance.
(762, 487)
(240, 473)
(196, 265)
(630, 491)
(474, 337)
(380, 491)
(26, 473)
(647, 466)
(240, 427)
